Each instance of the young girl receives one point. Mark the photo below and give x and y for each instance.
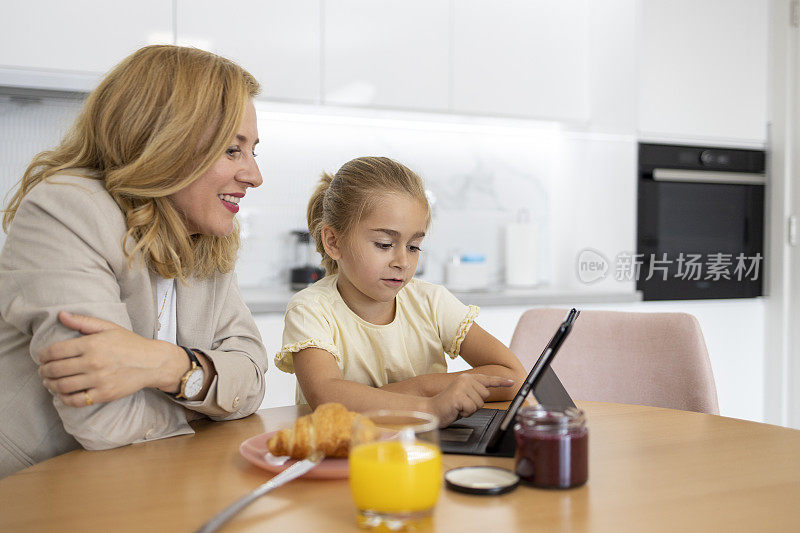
(368, 334)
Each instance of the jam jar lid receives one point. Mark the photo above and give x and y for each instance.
(544, 417)
(481, 480)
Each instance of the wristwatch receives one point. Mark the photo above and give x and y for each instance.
(192, 380)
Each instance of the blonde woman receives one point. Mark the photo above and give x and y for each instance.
(120, 315)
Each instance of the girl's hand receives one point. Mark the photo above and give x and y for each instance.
(464, 395)
(107, 363)
(487, 355)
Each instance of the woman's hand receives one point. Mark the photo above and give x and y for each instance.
(464, 395)
(108, 362)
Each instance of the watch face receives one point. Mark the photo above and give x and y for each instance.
(194, 383)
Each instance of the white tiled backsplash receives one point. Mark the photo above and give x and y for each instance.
(579, 187)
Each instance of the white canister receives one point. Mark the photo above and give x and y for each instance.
(467, 273)
(522, 254)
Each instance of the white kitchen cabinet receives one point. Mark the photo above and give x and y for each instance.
(613, 55)
(521, 58)
(280, 385)
(70, 45)
(703, 70)
(390, 54)
(277, 42)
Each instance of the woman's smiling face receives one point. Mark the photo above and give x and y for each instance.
(209, 204)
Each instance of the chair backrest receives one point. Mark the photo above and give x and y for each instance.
(656, 359)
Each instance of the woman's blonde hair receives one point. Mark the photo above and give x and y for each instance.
(343, 199)
(154, 125)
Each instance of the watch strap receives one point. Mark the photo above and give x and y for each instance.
(192, 357)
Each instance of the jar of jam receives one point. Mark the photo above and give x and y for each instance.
(552, 447)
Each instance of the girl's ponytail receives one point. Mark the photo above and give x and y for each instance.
(316, 219)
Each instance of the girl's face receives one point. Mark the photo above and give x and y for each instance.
(380, 255)
(209, 204)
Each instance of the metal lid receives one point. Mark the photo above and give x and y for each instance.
(547, 417)
(481, 480)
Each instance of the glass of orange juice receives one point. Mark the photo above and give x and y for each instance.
(395, 469)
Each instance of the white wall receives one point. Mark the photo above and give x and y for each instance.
(580, 186)
(482, 172)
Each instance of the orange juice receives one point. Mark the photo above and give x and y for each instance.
(391, 476)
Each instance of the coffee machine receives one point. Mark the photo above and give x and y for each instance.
(304, 273)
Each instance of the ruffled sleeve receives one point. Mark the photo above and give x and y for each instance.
(463, 328)
(305, 327)
(453, 319)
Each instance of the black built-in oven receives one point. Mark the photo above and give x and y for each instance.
(700, 230)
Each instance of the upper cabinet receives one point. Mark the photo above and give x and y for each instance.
(665, 69)
(521, 58)
(70, 45)
(391, 53)
(613, 53)
(703, 69)
(278, 42)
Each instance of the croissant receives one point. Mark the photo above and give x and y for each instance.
(329, 429)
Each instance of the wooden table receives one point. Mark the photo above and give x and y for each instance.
(650, 469)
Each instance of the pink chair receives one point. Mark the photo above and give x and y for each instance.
(657, 359)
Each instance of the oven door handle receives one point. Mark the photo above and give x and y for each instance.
(708, 176)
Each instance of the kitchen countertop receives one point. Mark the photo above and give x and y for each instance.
(274, 299)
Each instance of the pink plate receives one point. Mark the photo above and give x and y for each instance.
(254, 450)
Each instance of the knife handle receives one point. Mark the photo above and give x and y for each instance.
(294, 471)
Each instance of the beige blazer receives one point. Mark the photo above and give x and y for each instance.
(64, 251)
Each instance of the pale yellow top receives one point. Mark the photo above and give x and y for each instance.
(429, 322)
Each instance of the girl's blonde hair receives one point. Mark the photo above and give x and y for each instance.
(342, 200)
(154, 125)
